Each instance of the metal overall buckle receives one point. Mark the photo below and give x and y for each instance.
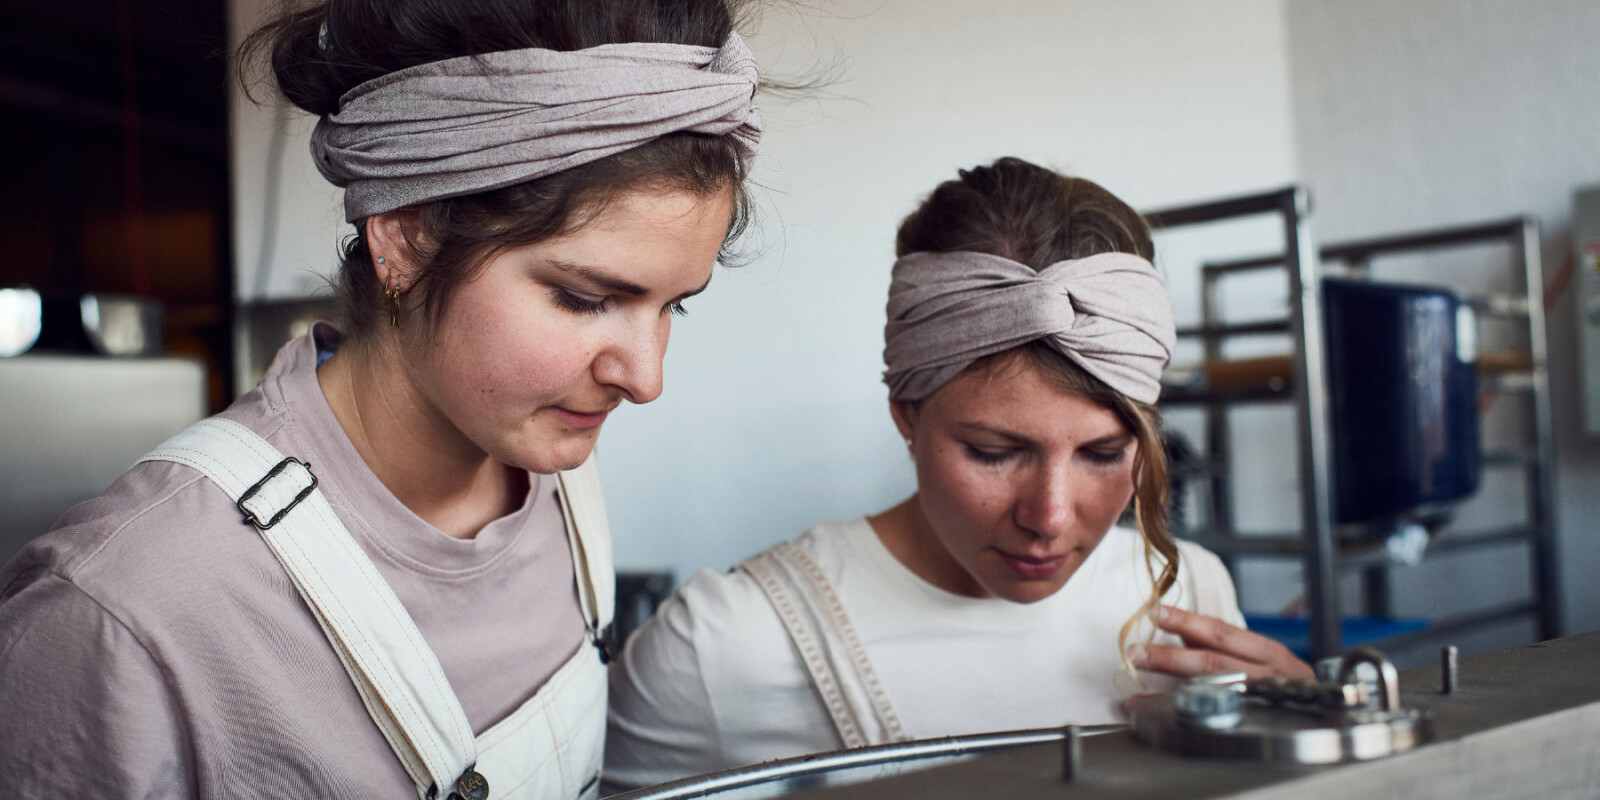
(250, 516)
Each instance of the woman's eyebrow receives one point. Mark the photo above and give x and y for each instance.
(600, 278)
(692, 292)
(609, 282)
(979, 427)
(1118, 439)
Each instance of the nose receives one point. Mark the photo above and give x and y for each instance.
(1045, 503)
(630, 362)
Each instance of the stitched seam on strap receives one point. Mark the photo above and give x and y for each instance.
(209, 464)
(588, 595)
(858, 654)
(389, 603)
(761, 568)
(379, 665)
(373, 660)
(364, 656)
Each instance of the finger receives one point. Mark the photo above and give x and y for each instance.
(1209, 633)
(1190, 662)
(1127, 702)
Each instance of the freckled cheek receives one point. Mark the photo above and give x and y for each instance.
(961, 495)
(1108, 497)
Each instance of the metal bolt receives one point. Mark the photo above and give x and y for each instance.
(1207, 705)
(1449, 668)
(1072, 755)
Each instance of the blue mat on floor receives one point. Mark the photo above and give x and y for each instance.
(1294, 632)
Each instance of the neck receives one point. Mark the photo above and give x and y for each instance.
(909, 537)
(418, 455)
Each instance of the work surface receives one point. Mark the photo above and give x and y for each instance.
(1521, 723)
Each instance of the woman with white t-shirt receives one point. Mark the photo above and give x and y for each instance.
(1026, 336)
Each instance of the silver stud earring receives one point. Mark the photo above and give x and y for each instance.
(381, 260)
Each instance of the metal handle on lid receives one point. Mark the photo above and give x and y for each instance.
(1388, 676)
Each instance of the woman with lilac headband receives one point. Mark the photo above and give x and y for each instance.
(1026, 334)
(386, 571)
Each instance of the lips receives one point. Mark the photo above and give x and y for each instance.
(580, 420)
(1030, 568)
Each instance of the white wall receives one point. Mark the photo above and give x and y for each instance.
(775, 416)
(303, 213)
(1437, 112)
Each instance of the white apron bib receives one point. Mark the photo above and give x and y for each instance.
(828, 646)
(550, 747)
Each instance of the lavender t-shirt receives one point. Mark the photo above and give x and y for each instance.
(152, 646)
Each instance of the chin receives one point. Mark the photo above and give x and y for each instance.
(1024, 593)
(552, 457)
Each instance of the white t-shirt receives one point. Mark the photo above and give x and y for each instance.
(713, 681)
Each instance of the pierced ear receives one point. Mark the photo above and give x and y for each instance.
(389, 240)
(905, 418)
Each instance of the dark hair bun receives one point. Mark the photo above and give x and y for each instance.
(1026, 213)
(363, 39)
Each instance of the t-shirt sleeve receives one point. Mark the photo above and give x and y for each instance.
(1210, 584)
(661, 725)
(88, 712)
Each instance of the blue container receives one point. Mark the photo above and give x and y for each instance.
(1402, 386)
(1295, 632)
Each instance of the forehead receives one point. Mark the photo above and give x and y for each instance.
(647, 236)
(1016, 397)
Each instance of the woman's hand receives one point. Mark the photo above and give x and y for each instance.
(1212, 646)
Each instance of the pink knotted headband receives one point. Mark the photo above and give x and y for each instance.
(1110, 313)
(471, 124)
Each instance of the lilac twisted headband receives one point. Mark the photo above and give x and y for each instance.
(476, 123)
(1110, 313)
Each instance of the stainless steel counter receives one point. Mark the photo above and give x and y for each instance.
(1522, 723)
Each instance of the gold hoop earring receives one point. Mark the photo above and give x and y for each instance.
(391, 297)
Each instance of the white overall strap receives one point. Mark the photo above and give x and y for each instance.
(828, 646)
(396, 673)
(583, 508)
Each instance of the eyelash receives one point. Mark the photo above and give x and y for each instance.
(986, 457)
(1096, 457)
(1106, 459)
(576, 303)
(579, 304)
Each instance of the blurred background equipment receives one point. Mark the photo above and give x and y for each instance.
(1586, 251)
(73, 423)
(1382, 378)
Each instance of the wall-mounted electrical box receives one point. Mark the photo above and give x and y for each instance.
(1586, 248)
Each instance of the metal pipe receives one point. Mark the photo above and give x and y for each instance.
(1542, 475)
(1264, 203)
(1219, 446)
(1497, 230)
(1311, 400)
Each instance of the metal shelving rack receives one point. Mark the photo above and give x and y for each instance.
(1322, 553)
